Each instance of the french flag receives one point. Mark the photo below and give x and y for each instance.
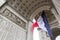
(44, 25)
(35, 31)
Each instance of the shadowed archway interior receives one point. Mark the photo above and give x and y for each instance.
(56, 32)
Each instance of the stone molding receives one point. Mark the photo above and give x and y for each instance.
(14, 18)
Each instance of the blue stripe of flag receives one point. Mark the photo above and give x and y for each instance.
(47, 25)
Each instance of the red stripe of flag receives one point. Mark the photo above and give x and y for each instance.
(34, 25)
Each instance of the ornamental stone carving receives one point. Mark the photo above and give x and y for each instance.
(11, 16)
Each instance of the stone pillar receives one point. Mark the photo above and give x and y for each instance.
(11, 31)
(43, 35)
(29, 34)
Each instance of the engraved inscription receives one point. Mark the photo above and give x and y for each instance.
(11, 16)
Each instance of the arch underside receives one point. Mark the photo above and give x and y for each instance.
(30, 9)
(26, 8)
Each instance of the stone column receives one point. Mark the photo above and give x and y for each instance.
(43, 35)
(29, 33)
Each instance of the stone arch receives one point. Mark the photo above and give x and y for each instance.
(40, 9)
(46, 8)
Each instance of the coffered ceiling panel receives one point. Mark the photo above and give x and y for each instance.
(27, 7)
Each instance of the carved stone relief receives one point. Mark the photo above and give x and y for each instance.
(11, 16)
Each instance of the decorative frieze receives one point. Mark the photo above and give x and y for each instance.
(11, 16)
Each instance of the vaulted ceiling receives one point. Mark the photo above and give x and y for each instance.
(32, 9)
(27, 7)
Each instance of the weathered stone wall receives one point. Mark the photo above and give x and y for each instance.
(30, 35)
(11, 31)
